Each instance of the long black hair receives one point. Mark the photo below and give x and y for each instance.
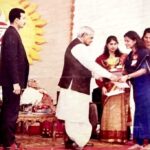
(140, 50)
(134, 36)
(106, 50)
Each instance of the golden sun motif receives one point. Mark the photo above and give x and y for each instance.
(32, 33)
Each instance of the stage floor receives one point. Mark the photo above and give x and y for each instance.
(40, 143)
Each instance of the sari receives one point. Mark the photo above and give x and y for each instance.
(115, 117)
(141, 93)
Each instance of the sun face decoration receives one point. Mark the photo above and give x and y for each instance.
(32, 33)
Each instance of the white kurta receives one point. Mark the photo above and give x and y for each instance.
(73, 106)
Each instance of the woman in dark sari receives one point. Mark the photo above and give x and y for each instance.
(137, 71)
(114, 119)
(146, 38)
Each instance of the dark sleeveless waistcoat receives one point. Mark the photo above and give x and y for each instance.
(74, 71)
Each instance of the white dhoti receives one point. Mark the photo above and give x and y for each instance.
(73, 108)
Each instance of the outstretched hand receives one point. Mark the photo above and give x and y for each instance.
(123, 78)
(114, 78)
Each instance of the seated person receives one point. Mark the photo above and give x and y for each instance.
(37, 97)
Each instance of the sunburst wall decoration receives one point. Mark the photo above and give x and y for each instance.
(32, 33)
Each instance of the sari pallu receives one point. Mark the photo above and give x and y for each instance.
(115, 118)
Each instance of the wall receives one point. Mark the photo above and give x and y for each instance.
(57, 34)
(111, 17)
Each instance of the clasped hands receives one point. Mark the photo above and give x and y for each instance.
(122, 78)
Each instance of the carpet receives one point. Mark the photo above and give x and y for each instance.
(39, 143)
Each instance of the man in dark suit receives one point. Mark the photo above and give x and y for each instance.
(14, 70)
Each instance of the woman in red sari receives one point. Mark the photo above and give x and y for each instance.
(114, 120)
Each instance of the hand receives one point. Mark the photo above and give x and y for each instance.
(123, 78)
(16, 89)
(114, 78)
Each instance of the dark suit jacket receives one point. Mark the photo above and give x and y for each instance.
(14, 66)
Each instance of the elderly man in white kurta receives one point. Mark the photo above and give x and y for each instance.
(74, 98)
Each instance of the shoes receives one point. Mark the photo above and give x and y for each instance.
(135, 147)
(77, 147)
(69, 144)
(14, 146)
(147, 147)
